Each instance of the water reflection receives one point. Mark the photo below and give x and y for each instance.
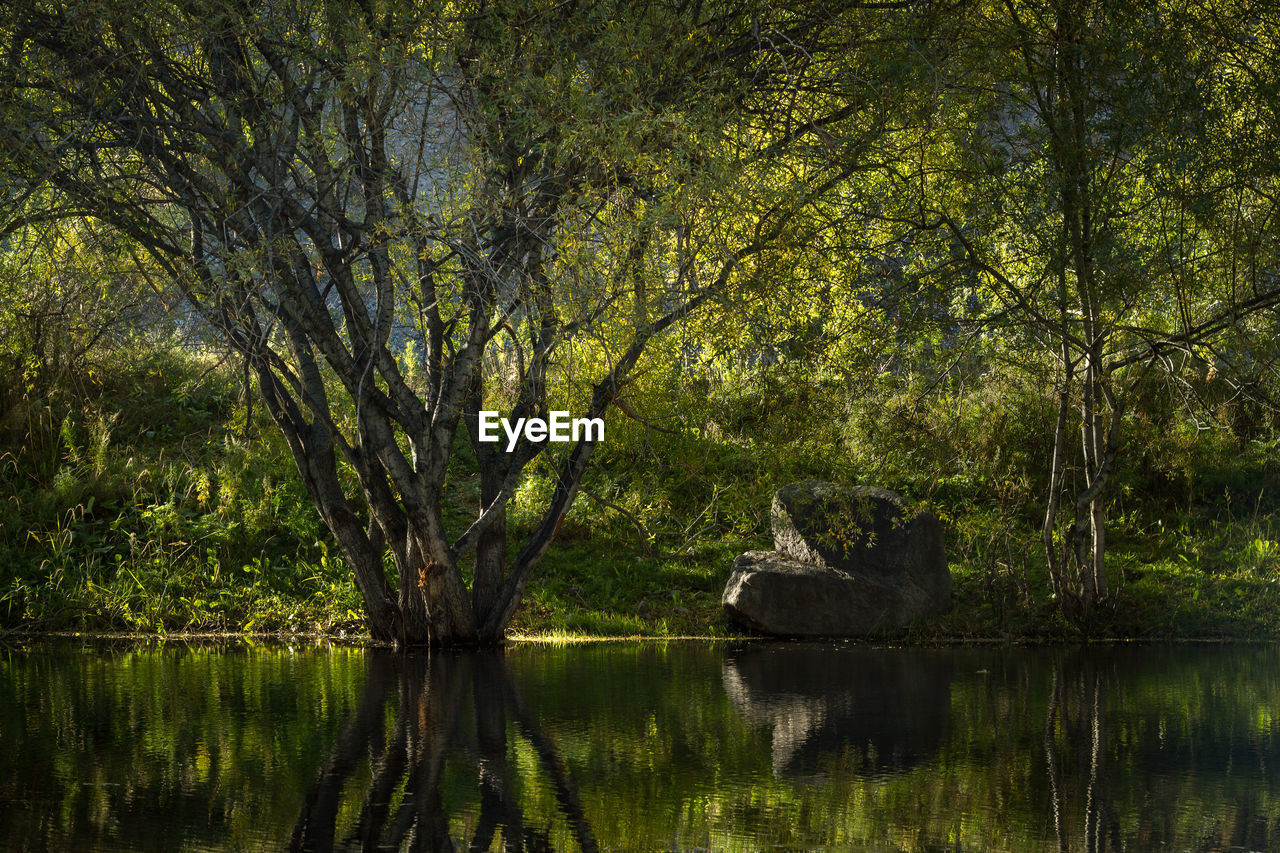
(1077, 725)
(891, 708)
(402, 804)
(1133, 765)
(641, 747)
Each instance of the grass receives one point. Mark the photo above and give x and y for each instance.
(604, 588)
(151, 501)
(609, 590)
(147, 504)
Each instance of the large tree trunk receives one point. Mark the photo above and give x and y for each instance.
(491, 549)
(320, 217)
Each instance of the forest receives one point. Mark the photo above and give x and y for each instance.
(263, 265)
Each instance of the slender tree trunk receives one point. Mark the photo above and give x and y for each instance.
(1057, 467)
(1098, 524)
(1089, 498)
(1085, 545)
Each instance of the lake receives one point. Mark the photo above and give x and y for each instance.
(675, 746)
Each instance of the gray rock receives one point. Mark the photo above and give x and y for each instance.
(850, 562)
(791, 598)
(862, 530)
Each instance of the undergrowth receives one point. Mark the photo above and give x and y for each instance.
(152, 498)
(145, 502)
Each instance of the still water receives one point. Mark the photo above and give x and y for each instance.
(640, 747)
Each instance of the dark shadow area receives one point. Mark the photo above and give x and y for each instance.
(891, 707)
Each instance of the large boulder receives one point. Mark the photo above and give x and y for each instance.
(849, 562)
(862, 530)
(775, 594)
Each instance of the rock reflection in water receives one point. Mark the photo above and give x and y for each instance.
(401, 762)
(891, 707)
(642, 747)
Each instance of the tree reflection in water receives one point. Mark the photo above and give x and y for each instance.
(1090, 750)
(642, 747)
(1131, 768)
(1077, 724)
(401, 762)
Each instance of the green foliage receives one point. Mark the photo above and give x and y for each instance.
(141, 506)
(145, 507)
(692, 480)
(915, 223)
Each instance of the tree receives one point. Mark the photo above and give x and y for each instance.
(1069, 177)
(523, 195)
(66, 292)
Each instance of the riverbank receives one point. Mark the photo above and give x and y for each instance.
(607, 589)
(151, 498)
(589, 591)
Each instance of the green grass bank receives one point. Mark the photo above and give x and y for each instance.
(146, 493)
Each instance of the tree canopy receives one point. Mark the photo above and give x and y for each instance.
(398, 215)
(494, 185)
